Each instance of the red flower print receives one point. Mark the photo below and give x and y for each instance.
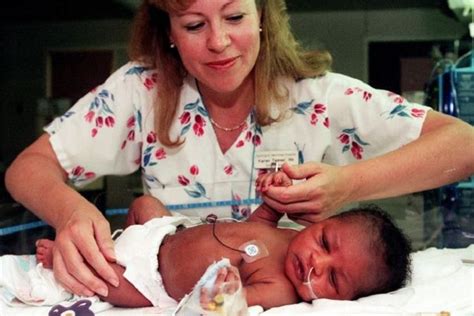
(99, 121)
(124, 143)
(150, 82)
(185, 118)
(78, 174)
(160, 154)
(131, 122)
(349, 91)
(198, 130)
(228, 170)
(94, 132)
(356, 150)
(367, 96)
(89, 175)
(326, 122)
(240, 143)
(194, 170)
(183, 180)
(399, 100)
(199, 120)
(256, 140)
(319, 108)
(151, 138)
(77, 171)
(89, 116)
(248, 136)
(314, 119)
(131, 135)
(344, 138)
(417, 112)
(109, 121)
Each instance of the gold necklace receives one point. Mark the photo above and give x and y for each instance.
(228, 129)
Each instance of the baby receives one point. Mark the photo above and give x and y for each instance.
(356, 253)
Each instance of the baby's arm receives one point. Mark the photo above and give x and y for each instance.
(145, 208)
(264, 213)
(270, 293)
(262, 288)
(278, 178)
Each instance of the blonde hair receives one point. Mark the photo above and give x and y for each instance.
(280, 56)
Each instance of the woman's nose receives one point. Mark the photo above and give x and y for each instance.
(218, 39)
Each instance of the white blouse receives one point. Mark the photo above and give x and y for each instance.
(333, 119)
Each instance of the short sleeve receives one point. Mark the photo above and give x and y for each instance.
(100, 134)
(366, 122)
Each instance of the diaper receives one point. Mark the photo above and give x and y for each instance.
(137, 250)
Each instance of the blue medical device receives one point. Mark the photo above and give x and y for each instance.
(456, 98)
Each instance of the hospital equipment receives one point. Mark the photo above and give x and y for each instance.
(450, 90)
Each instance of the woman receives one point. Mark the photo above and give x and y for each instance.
(211, 84)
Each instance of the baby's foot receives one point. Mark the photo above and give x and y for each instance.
(44, 252)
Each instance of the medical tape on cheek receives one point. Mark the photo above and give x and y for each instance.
(253, 250)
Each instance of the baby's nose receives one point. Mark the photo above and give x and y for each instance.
(320, 263)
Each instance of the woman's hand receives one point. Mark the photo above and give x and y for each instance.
(325, 190)
(83, 248)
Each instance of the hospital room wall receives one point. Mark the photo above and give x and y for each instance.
(346, 34)
(23, 61)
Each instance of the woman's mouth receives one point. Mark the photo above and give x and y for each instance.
(223, 63)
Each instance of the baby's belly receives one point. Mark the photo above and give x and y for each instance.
(184, 257)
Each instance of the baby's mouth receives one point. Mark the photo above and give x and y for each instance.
(299, 269)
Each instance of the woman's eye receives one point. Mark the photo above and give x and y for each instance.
(235, 18)
(194, 26)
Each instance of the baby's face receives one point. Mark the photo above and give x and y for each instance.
(340, 257)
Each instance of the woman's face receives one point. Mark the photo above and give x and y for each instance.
(218, 42)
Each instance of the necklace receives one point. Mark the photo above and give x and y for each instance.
(228, 129)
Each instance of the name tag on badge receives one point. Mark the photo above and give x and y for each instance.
(275, 159)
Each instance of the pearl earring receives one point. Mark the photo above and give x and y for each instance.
(172, 45)
(260, 29)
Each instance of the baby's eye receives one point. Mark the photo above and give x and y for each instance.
(324, 243)
(332, 279)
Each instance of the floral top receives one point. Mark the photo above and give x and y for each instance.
(334, 119)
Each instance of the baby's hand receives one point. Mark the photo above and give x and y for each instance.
(227, 283)
(278, 178)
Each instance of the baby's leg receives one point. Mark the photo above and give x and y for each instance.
(145, 208)
(44, 252)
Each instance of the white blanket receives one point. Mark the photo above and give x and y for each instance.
(440, 282)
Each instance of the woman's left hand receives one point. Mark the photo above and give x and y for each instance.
(325, 190)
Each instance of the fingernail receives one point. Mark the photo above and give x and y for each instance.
(88, 293)
(114, 282)
(103, 292)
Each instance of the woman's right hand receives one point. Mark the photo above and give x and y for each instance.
(83, 247)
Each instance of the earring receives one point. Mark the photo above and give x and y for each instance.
(260, 29)
(172, 45)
